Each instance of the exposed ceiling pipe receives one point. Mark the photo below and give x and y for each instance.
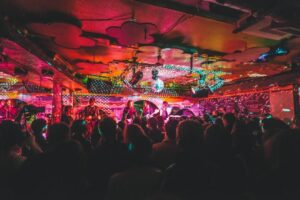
(230, 5)
(241, 23)
(193, 10)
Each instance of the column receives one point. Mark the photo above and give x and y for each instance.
(57, 102)
(296, 102)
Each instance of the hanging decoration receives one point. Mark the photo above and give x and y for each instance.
(157, 85)
(132, 33)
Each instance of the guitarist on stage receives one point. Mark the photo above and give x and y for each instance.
(91, 112)
(129, 113)
(147, 111)
(91, 115)
(165, 111)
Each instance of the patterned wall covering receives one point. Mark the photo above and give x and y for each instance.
(255, 103)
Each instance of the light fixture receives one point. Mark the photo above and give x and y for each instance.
(136, 77)
(200, 92)
(154, 74)
(157, 85)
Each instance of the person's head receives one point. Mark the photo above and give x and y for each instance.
(130, 104)
(271, 125)
(219, 122)
(8, 102)
(121, 125)
(242, 138)
(284, 156)
(152, 123)
(58, 133)
(139, 145)
(214, 113)
(2, 103)
(228, 119)
(216, 140)
(108, 129)
(165, 104)
(38, 126)
(11, 137)
(79, 128)
(68, 110)
(92, 101)
(222, 110)
(170, 127)
(253, 124)
(189, 136)
(146, 104)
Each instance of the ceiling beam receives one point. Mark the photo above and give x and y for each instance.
(188, 9)
(16, 35)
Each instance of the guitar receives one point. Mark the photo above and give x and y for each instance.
(148, 116)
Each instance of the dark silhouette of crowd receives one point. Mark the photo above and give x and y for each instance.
(228, 157)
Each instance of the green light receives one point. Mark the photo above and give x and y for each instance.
(85, 80)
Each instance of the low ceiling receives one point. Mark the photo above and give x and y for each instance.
(180, 38)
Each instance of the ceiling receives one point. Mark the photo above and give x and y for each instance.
(181, 38)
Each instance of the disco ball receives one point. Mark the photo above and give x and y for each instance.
(157, 85)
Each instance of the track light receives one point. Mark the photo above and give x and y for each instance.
(136, 77)
(200, 91)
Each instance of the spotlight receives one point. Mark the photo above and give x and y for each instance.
(157, 85)
(154, 74)
(200, 92)
(19, 71)
(136, 77)
(47, 73)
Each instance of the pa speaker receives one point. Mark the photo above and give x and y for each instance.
(19, 71)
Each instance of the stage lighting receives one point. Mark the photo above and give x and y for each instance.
(200, 92)
(136, 77)
(19, 71)
(47, 73)
(154, 74)
(157, 85)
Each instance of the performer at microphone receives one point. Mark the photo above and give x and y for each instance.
(91, 112)
(129, 112)
(2, 110)
(9, 110)
(147, 111)
(67, 115)
(165, 110)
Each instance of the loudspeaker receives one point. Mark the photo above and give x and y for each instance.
(19, 71)
(201, 93)
(47, 73)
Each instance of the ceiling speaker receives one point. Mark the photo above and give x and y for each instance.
(19, 71)
(47, 73)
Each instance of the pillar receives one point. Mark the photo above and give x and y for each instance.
(56, 102)
(296, 102)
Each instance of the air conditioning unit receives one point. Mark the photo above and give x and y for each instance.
(48, 74)
(20, 71)
(286, 28)
(265, 28)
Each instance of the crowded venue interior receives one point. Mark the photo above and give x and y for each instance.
(149, 99)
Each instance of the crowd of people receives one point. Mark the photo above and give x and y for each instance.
(230, 157)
